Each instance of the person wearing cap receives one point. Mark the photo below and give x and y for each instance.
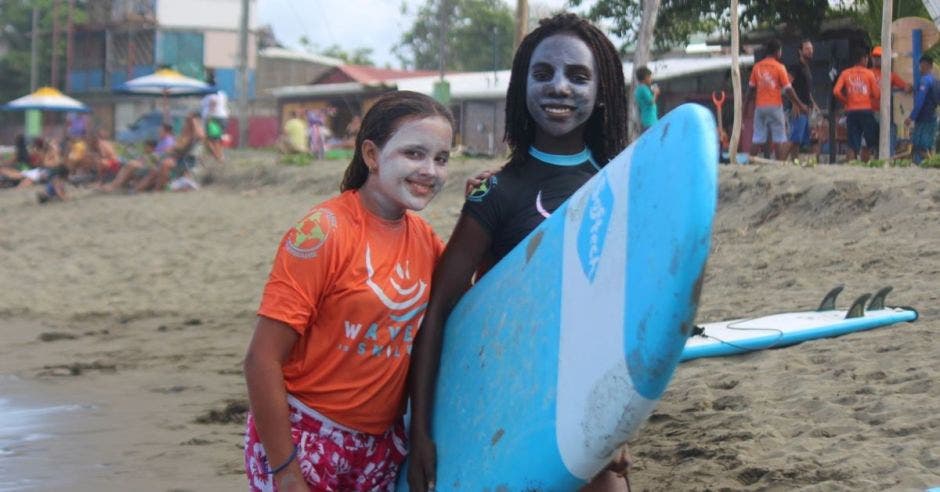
(896, 81)
(924, 113)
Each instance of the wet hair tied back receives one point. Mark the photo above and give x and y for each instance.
(380, 123)
(606, 130)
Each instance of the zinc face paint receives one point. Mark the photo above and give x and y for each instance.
(561, 91)
(411, 167)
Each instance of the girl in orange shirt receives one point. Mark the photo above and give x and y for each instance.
(327, 365)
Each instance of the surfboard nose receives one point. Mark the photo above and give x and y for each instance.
(668, 187)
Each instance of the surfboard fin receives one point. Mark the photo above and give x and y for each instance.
(878, 300)
(858, 307)
(829, 302)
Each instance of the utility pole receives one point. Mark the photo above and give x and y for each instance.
(884, 137)
(33, 123)
(69, 36)
(522, 22)
(34, 52)
(442, 18)
(54, 80)
(243, 76)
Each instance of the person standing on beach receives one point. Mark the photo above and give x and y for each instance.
(856, 88)
(768, 80)
(214, 113)
(803, 87)
(645, 95)
(565, 119)
(924, 113)
(327, 365)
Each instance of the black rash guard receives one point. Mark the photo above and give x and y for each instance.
(513, 202)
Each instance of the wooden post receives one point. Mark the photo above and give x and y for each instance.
(884, 136)
(736, 85)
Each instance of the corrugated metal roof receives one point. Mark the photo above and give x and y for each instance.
(490, 85)
(275, 52)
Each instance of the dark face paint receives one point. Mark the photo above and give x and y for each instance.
(561, 91)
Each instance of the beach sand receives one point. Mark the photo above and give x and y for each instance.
(137, 309)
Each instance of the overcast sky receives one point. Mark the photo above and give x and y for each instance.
(376, 24)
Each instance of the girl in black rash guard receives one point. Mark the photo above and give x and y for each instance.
(565, 119)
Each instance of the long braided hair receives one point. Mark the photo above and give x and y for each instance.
(605, 132)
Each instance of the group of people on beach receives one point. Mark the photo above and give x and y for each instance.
(858, 91)
(88, 157)
(327, 414)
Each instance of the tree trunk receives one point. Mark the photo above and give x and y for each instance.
(736, 84)
(522, 22)
(641, 56)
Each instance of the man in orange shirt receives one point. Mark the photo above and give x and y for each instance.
(896, 81)
(856, 88)
(769, 80)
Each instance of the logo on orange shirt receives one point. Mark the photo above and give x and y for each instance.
(311, 233)
(405, 298)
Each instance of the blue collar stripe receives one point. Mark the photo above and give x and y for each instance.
(565, 160)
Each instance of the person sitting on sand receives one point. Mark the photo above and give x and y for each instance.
(326, 385)
(179, 160)
(138, 169)
(54, 175)
(566, 118)
(107, 161)
(11, 171)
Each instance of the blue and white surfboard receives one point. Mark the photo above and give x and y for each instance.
(563, 349)
(783, 329)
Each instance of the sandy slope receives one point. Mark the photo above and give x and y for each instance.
(140, 307)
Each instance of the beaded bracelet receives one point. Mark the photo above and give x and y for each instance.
(290, 458)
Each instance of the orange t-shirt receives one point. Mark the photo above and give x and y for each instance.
(354, 287)
(896, 81)
(860, 88)
(769, 77)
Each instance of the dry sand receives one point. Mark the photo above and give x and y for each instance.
(137, 310)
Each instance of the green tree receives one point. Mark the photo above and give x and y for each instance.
(15, 29)
(473, 28)
(868, 14)
(358, 56)
(679, 19)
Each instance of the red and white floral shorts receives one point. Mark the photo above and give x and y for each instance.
(331, 457)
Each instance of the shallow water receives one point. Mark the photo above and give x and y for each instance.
(31, 434)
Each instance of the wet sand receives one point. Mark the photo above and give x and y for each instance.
(137, 310)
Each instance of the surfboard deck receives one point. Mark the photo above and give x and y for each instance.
(562, 350)
(783, 329)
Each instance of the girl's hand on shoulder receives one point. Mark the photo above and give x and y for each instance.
(480, 178)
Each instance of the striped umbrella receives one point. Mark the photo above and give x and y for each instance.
(46, 99)
(167, 83)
